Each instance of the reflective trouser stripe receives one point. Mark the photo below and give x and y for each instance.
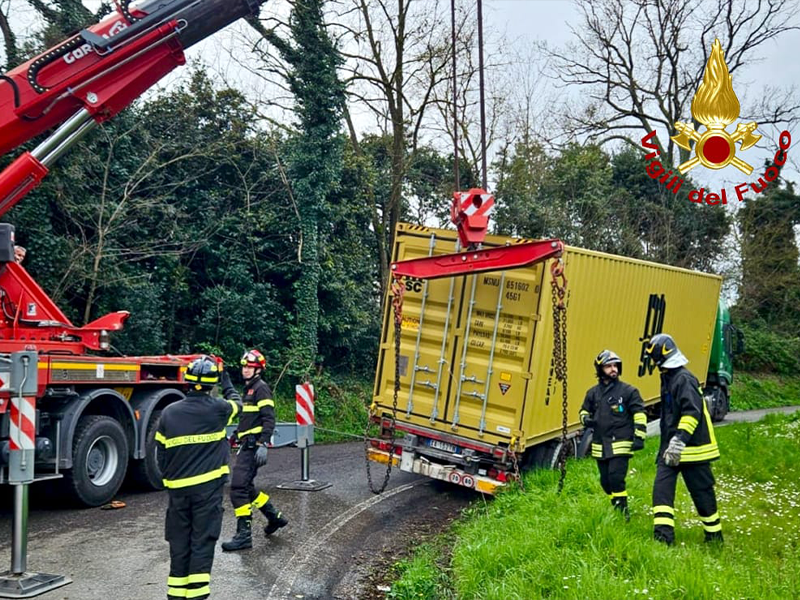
(712, 528)
(197, 479)
(619, 494)
(711, 523)
(663, 508)
(184, 581)
(243, 511)
(260, 500)
(664, 521)
(176, 592)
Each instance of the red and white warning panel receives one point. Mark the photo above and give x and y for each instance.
(304, 395)
(22, 426)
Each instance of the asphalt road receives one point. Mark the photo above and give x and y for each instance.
(334, 539)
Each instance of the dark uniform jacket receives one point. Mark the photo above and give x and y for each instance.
(684, 413)
(194, 449)
(618, 411)
(258, 413)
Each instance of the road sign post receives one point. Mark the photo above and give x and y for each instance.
(22, 371)
(304, 416)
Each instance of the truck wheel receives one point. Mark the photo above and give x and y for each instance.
(145, 472)
(99, 460)
(717, 402)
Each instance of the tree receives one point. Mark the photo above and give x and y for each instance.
(770, 285)
(641, 62)
(316, 156)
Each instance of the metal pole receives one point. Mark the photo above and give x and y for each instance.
(304, 464)
(483, 101)
(19, 534)
(455, 96)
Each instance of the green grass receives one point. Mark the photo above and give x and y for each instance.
(764, 391)
(539, 545)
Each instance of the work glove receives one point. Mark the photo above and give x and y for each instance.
(261, 456)
(589, 422)
(638, 443)
(672, 455)
(225, 380)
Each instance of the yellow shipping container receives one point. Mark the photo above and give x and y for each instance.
(476, 353)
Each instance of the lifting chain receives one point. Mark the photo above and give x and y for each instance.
(397, 305)
(512, 453)
(559, 292)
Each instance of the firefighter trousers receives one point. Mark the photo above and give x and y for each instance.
(699, 480)
(612, 479)
(193, 524)
(244, 495)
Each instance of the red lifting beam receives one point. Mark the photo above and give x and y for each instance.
(479, 261)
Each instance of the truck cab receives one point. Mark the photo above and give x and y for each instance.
(728, 341)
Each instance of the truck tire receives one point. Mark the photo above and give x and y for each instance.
(718, 403)
(99, 460)
(145, 472)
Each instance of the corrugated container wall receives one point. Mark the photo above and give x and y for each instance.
(476, 351)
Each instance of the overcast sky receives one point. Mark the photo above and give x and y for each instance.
(524, 22)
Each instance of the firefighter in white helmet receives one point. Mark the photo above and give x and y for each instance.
(688, 444)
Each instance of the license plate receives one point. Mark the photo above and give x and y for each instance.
(439, 445)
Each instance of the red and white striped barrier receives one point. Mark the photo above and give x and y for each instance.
(22, 426)
(304, 395)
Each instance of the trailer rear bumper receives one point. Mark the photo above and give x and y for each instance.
(411, 464)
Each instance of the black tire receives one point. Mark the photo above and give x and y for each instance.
(145, 472)
(545, 456)
(99, 460)
(718, 403)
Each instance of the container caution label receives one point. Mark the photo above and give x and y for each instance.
(504, 387)
(410, 323)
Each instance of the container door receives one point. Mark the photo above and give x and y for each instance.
(491, 364)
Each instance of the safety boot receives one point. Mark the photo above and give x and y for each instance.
(621, 504)
(243, 538)
(275, 518)
(714, 537)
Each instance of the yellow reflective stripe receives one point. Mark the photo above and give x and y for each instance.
(250, 408)
(265, 402)
(201, 591)
(198, 438)
(258, 429)
(640, 418)
(710, 519)
(663, 508)
(160, 437)
(583, 412)
(176, 592)
(177, 581)
(621, 446)
(688, 424)
(199, 578)
(619, 494)
(197, 479)
(234, 407)
(640, 433)
(664, 521)
(260, 500)
(597, 450)
(699, 453)
(709, 424)
(712, 528)
(243, 511)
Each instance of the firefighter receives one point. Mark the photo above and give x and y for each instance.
(615, 411)
(193, 458)
(254, 433)
(688, 444)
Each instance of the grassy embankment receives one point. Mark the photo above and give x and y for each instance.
(538, 544)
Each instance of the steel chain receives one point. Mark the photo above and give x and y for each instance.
(515, 462)
(559, 292)
(397, 304)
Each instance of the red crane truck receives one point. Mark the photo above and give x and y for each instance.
(96, 415)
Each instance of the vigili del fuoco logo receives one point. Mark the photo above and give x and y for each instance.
(715, 106)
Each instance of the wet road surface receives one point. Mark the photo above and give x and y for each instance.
(333, 540)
